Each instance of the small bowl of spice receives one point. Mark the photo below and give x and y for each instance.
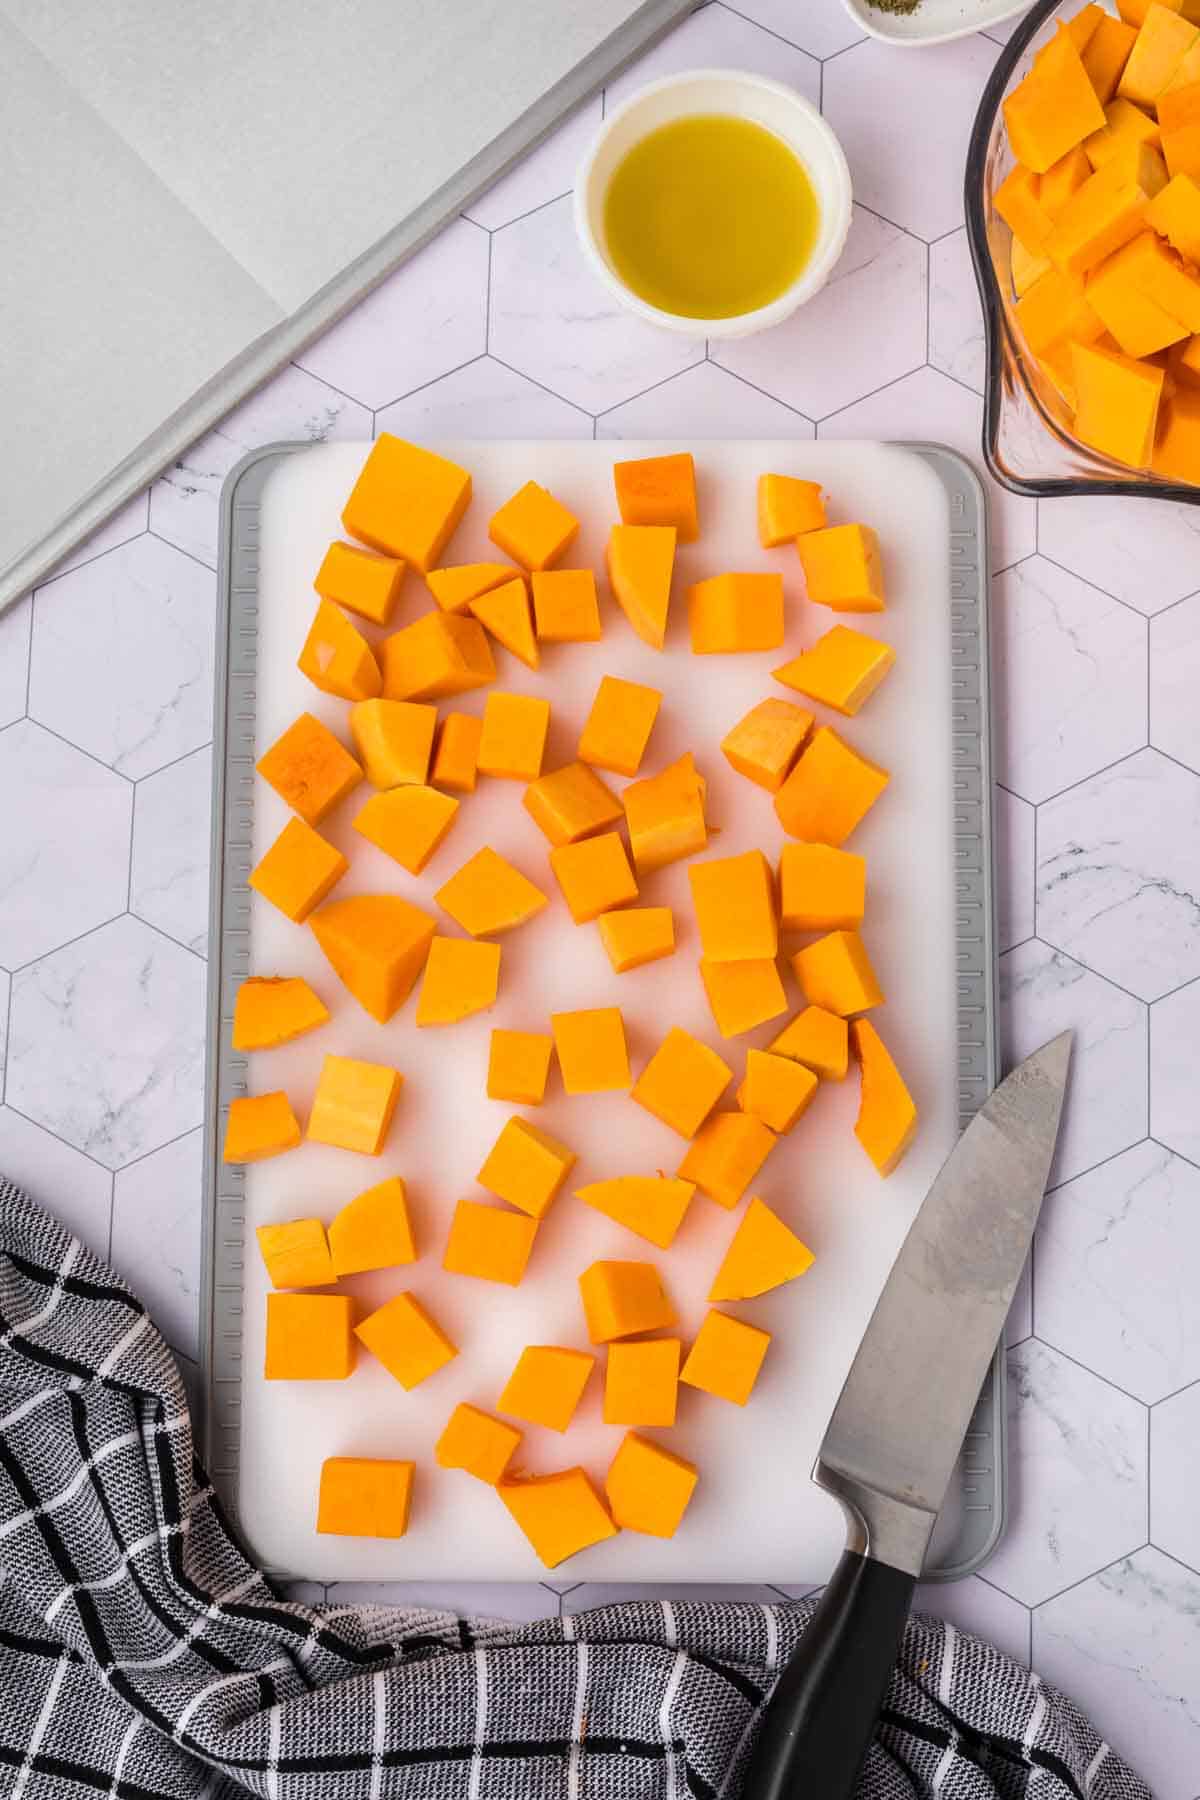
(917, 22)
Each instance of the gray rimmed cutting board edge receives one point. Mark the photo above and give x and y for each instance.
(973, 1517)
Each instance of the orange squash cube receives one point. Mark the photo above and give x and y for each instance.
(533, 527)
(652, 1206)
(518, 1066)
(665, 815)
(819, 1040)
(682, 1082)
(1174, 213)
(831, 790)
(547, 1385)
(726, 1154)
(407, 823)
(377, 945)
(1118, 403)
(1056, 309)
(478, 1443)
(560, 1514)
(489, 1242)
(726, 1357)
(456, 759)
(488, 895)
(887, 1115)
(843, 568)
(1105, 55)
(407, 501)
(733, 613)
(1053, 108)
(259, 1126)
(455, 588)
(462, 976)
(337, 658)
(619, 725)
(637, 935)
(360, 580)
(406, 1340)
(763, 1253)
(309, 1337)
(513, 740)
(394, 739)
(786, 507)
(593, 1057)
(566, 609)
(659, 490)
(437, 656)
(1019, 203)
(1161, 45)
(298, 870)
(363, 1496)
(1063, 179)
(271, 1010)
(621, 1299)
(641, 561)
(310, 769)
(1177, 452)
(836, 974)
(296, 1253)
(641, 1382)
(372, 1231)
(648, 1488)
(593, 875)
(764, 745)
(572, 803)
(505, 612)
(353, 1105)
(1107, 210)
(526, 1167)
(820, 888)
(776, 1090)
(743, 995)
(734, 898)
(842, 669)
(1125, 126)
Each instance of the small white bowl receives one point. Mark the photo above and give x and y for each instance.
(768, 103)
(933, 21)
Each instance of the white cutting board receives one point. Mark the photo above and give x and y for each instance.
(755, 1517)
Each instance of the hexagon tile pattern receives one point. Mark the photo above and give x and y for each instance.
(498, 328)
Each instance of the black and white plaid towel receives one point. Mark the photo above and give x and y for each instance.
(143, 1658)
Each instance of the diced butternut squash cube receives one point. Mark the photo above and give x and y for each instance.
(619, 725)
(831, 790)
(820, 888)
(842, 669)
(310, 769)
(593, 1057)
(477, 1442)
(836, 973)
(298, 870)
(1179, 117)
(1053, 108)
(763, 1253)
(726, 1154)
(665, 815)
(362, 1496)
(725, 1357)
(394, 739)
(488, 895)
(637, 935)
(518, 1066)
(462, 976)
(1162, 43)
(1106, 211)
(1056, 309)
(296, 1253)
(407, 823)
(659, 490)
(437, 656)
(455, 588)
(353, 1105)
(1174, 212)
(621, 1299)
(513, 740)
(489, 1242)
(360, 580)
(1019, 203)
(572, 803)
(1118, 400)
(1125, 125)
(1062, 179)
(337, 657)
(887, 1114)
(1105, 55)
(843, 568)
(764, 745)
(547, 1385)
(533, 527)
(641, 561)
(560, 1514)
(787, 507)
(566, 609)
(730, 613)
(403, 1336)
(818, 1039)
(271, 1010)
(641, 1382)
(407, 501)
(1158, 272)
(526, 1167)
(259, 1126)
(1177, 451)
(743, 995)
(309, 1337)
(372, 1231)
(682, 1082)
(505, 612)
(1136, 320)
(594, 875)
(377, 945)
(776, 1090)
(649, 1489)
(456, 759)
(1026, 267)
(653, 1206)
(734, 898)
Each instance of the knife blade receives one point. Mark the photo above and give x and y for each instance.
(898, 1426)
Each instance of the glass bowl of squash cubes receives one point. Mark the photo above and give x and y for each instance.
(1083, 217)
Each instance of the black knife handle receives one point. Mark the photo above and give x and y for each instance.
(818, 1724)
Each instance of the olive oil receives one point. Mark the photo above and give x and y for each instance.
(710, 216)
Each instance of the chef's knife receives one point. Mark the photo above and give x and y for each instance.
(898, 1427)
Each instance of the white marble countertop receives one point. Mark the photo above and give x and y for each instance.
(498, 329)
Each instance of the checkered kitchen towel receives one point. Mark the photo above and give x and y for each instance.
(143, 1658)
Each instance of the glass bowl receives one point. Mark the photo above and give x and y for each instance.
(1027, 439)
